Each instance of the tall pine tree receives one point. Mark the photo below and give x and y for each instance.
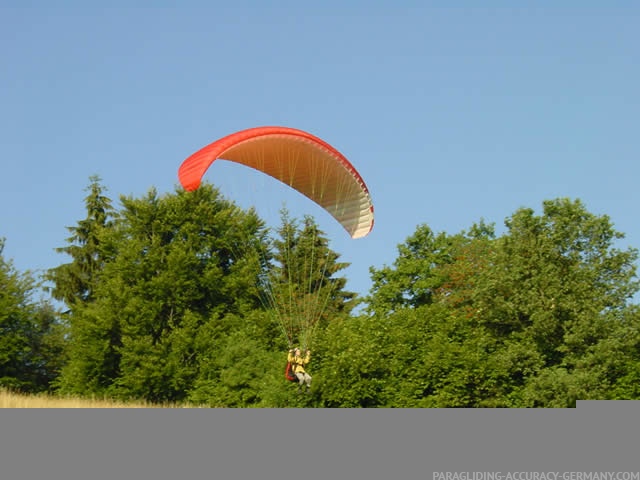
(305, 291)
(74, 282)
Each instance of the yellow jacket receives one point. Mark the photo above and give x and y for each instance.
(298, 362)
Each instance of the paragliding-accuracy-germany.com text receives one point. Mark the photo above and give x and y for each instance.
(536, 476)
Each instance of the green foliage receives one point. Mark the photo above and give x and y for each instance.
(411, 281)
(349, 371)
(74, 282)
(533, 318)
(184, 297)
(236, 369)
(31, 335)
(177, 261)
(303, 289)
(538, 317)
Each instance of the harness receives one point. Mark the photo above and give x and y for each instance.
(288, 372)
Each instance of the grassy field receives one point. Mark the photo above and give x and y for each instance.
(14, 400)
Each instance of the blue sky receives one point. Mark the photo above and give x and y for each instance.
(450, 114)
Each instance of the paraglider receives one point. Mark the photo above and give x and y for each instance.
(298, 159)
(316, 170)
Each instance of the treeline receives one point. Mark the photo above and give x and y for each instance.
(164, 302)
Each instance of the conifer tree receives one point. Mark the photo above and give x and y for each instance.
(75, 282)
(305, 289)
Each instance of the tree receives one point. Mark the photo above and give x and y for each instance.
(178, 262)
(552, 291)
(537, 317)
(31, 336)
(555, 276)
(413, 278)
(303, 289)
(75, 282)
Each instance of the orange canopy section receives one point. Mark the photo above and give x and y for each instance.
(298, 159)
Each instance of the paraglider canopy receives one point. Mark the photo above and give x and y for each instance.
(298, 159)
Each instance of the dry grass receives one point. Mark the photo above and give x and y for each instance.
(15, 400)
